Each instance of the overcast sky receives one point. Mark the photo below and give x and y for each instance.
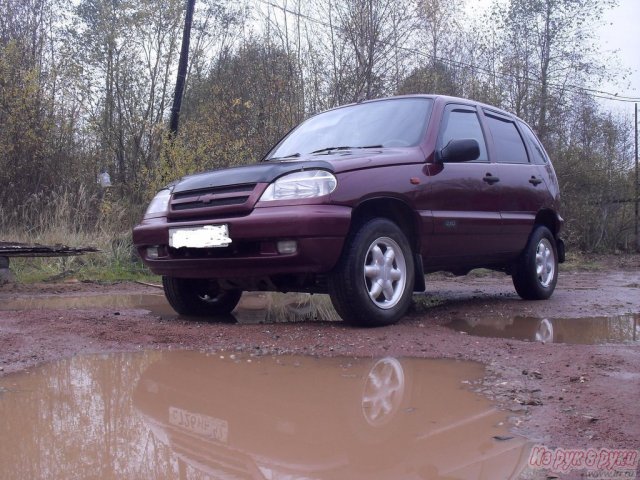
(620, 30)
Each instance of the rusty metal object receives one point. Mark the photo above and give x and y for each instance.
(12, 249)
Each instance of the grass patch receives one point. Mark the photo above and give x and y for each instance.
(299, 307)
(481, 272)
(582, 261)
(76, 219)
(424, 303)
(96, 267)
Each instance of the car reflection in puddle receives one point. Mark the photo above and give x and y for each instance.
(591, 330)
(178, 414)
(303, 418)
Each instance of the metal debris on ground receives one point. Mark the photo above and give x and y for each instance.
(12, 249)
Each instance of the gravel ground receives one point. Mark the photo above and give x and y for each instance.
(562, 395)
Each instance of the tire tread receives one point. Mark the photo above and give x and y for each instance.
(524, 276)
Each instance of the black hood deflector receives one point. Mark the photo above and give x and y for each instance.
(260, 173)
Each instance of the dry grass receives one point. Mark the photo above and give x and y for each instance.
(75, 219)
(301, 307)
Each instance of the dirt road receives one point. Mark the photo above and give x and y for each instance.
(571, 394)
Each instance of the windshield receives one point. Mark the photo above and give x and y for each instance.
(387, 123)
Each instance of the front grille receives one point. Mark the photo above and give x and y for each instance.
(222, 202)
(216, 190)
(211, 198)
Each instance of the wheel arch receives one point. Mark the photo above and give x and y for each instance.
(549, 219)
(392, 209)
(402, 215)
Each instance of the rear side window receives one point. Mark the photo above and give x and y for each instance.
(508, 144)
(461, 123)
(537, 152)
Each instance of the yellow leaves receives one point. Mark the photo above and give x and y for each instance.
(25, 136)
(211, 141)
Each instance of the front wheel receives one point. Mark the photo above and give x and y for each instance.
(373, 283)
(199, 297)
(536, 271)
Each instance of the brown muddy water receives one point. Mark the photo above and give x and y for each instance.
(590, 330)
(190, 415)
(155, 303)
(254, 307)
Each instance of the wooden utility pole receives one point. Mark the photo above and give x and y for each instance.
(182, 68)
(637, 186)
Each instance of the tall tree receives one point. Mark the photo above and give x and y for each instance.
(439, 36)
(547, 48)
(127, 50)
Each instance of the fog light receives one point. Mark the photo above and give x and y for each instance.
(152, 252)
(287, 246)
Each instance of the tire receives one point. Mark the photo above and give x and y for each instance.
(536, 271)
(352, 285)
(199, 297)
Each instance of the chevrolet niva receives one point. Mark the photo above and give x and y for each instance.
(360, 202)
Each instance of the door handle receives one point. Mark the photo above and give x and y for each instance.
(490, 179)
(534, 181)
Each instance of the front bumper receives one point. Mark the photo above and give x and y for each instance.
(319, 230)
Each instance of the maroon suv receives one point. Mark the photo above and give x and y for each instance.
(360, 202)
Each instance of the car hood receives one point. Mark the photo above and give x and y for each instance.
(267, 172)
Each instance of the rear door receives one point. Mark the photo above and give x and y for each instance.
(521, 189)
(539, 157)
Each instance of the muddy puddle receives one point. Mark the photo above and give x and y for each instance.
(191, 415)
(254, 307)
(590, 330)
(88, 301)
(259, 307)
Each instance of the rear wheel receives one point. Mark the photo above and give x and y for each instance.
(536, 271)
(373, 283)
(199, 297)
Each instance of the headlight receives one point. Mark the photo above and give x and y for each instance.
(307, 184)
(160, 203)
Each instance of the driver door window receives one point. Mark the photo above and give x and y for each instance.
(460, 123)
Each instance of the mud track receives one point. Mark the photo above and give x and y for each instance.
(562, 395)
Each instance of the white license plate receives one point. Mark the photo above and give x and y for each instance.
(200, 237)
(199, 424)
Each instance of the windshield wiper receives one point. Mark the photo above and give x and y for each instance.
(329, 149)
(293, 155)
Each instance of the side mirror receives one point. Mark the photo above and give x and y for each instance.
(463, 150)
